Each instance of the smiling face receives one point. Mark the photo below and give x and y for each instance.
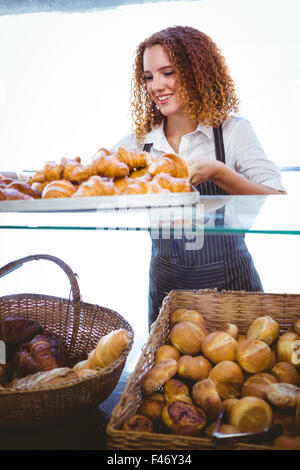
(160, 79)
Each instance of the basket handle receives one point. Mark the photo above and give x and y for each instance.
(73, 281)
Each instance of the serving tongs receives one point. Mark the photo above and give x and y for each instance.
(269, 433)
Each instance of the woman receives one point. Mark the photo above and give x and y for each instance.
(183, 100)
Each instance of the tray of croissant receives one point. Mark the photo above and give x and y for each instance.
(108, 181)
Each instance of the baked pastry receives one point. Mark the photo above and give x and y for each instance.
(228, 378)
(253, 355)
(74, 170)
(25, 188)
(193, 367)
(188, 337)
(44, 352)
(286, 372)
(107, 165)
(182, 314)
(51, 171)
(138, 423)
(231, 329)
(205, 395)
(47, 378)
(152, 406)
(264, 328)
(171, 164)
(58, 188)
(287, 442)
(227, 405)
(251, 414)
(122, 183)
(111, 346)
(241, 338)
(16, 330)
(96, 186)
(256, 385)
(133, 159)
(166, 351)
(175, 390)
(183, 418)
(283, 396)
(286, 351)
(11, 194)
(85, 372)
(219, 346)
(172, 184)
(142, 173)
(158, 375)
(80, 365)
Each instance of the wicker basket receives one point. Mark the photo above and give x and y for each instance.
(80, 326)
(217, 308)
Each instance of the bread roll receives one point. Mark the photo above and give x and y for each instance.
(227, 405)
(183, 418)
(138, 423)
(251, 414)
(283, 396)
(167, 352)
(111, 346)
(175, 390)
(188, 337)
(182, 314)
(228, 429)
(92, 362)
(56, 376)
(194, 367)
(286, 418)
(219, 346)
(152, 406)
(241, 338)
(264, 328)
(256, 385)
(231, 329)
(158, 375)
(287, 373)
(287, 346)
(253, 355)
(81, 365)
(205, 395)
(228, 378)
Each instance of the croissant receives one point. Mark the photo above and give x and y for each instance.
(4, 182)
(107, 165)
(15, 330)
(96, 186)
(51, 377)
(50, 172)
(110, 347)
(175, 185)
(141, 186)
(133, 159)
(171, 164)
(44, 352)
(10, 194)
(122, 183)
(56, 189)
(74, 171)
(25, 188)
(142, 173)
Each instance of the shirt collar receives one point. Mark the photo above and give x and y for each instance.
(157, 134)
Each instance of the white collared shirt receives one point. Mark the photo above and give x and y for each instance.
(243, 151)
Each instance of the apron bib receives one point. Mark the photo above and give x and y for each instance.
(223, 262)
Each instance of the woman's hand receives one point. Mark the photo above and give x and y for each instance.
(203, 169)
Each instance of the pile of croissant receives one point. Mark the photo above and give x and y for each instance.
(35, 357)
(252, 379)
(107, 174)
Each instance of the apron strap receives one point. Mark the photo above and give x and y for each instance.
(147, 147)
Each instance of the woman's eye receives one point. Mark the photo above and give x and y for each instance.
(148, 78)
(167, 74)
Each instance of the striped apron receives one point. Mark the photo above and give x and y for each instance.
(223, 262)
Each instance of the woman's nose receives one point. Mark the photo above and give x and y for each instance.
(157, 83)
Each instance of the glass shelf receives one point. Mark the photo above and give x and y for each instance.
(211, 214)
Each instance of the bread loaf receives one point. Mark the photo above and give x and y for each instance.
(158, 375)
(283, 396)
(253, 355)
(286, 372)
(228, 378)
(152, 406)
(219, 346)
(41, 379)
(251, 414)
(183, 314)
(257, 384)
(183, 418)
(175, 390)
(264, 328)
(111, 346)
(205, 395)
(286, 347)
(138, 423)
(166, 351)
(188, 337)
(193, 367)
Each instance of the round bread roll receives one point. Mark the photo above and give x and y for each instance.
(152, 406)
(228, 429)
(183, 314)
(205, 395)
(286, 372)
(219, 346)
(228, 378)
(138, 423)
(241, 338)
(158, 375)
(183, 418)
(254, 355)
(256, 385)
(283, 396)
(286, 350)
(297, 326)
(251, 414)
(273, 361)
(188, 337)
(286, 419)
(264, 328)
(227, 405)
(231, 329)
(193, 367)
(166, 351)
(175, 390)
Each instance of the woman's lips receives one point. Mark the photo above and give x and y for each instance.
(163, 99)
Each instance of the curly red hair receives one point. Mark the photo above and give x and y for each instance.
(202, 76)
